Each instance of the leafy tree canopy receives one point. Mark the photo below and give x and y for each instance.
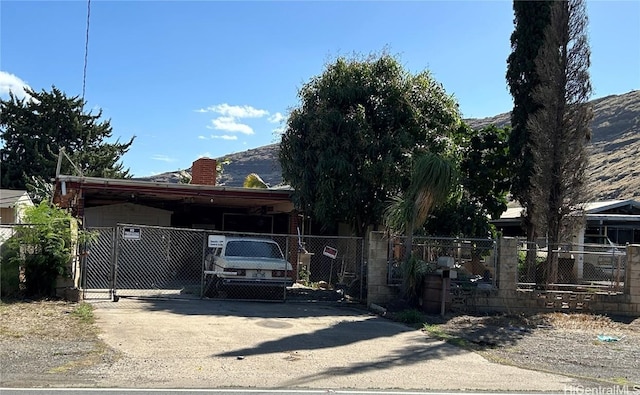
(485, 172)
(347, 148)
(33, 130)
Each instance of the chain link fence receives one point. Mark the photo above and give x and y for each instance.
(148, 261)
(471, 267)
(587, 267)
(474, 260)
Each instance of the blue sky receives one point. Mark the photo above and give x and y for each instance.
(210, 78)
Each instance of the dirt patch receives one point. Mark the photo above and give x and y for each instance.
(592, 347)
(45, 343)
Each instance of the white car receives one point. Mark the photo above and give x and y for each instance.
(235, 262)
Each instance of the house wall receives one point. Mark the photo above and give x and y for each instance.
(14, 214)
(125, 213)
(7, 215)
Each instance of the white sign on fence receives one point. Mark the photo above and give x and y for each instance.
(131, 233)
(215, 241)
(330, 252)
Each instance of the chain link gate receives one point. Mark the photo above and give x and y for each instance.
(155, 261)
(97, 260)
(151, 261)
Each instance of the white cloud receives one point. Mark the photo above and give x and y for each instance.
(278, 131)
(225, 137)
(276, 118)
(218, 137)
(163, 158)
(229, 124)
(12, 83)
(236, 111)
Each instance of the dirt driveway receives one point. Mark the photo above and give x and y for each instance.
(228, 344)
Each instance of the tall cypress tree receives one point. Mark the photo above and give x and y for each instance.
(560, 130)
(530, 22)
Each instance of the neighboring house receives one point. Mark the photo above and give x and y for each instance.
(617, 219)
(12, 205)
(201, 204)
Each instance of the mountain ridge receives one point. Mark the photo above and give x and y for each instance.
(612, 171)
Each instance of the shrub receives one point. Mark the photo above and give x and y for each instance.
(45, 247)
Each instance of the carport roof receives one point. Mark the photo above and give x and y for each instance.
(98, 191)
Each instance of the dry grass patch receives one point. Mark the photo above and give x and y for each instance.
(46, 320)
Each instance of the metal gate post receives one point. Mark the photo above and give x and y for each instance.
(114, 263)
(205, 245)
(362, 260)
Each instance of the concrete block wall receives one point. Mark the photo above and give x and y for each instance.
(507, 298)
(378, 292)
(632, 275)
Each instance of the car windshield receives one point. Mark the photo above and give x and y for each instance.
(253, 249)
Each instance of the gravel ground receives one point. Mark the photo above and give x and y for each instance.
(566, 344)
(48, 344)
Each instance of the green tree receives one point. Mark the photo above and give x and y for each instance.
(347, 148)
(560, 128)
(485, 180)
(531, 20)
(33, 130)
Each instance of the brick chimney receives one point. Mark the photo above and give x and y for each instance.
(203, 172)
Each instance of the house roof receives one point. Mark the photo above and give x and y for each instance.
(606, 205)
(594, 210)
(11, 197)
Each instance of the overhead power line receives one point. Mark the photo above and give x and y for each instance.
(86, 50)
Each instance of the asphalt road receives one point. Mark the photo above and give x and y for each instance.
(236, 344)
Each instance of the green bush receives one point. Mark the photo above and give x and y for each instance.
(410, 316)
(45, 247)
(9, 270)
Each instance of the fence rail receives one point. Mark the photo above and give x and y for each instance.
(588, 267)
